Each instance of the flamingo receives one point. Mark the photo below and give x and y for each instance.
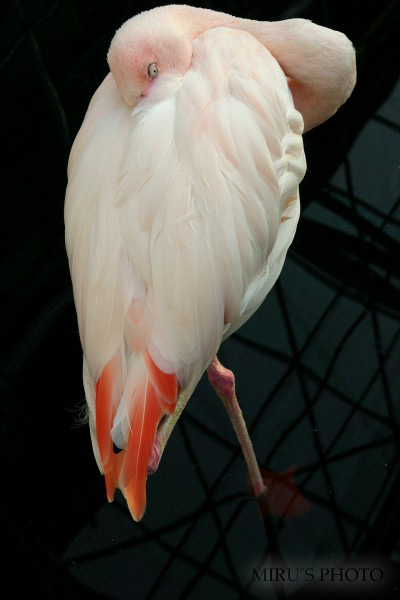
(182, 202)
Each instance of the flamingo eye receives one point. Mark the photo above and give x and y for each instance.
(152, 70)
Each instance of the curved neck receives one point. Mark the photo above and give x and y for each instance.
(318, 62)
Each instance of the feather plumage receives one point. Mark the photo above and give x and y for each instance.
(179, 213)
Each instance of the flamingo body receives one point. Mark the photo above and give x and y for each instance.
(181, 205)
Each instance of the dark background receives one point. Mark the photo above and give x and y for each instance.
(317, 367)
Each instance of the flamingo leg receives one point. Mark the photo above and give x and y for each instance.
(223, 382)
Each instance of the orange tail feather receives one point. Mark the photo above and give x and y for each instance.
(166, 385)
(108, 394)
(146, 414)
(155, 394)
(106, 408)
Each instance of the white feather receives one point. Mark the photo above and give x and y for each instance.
(186, 207)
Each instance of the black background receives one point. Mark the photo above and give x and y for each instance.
(52, 59)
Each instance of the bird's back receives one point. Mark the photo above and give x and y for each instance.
(213, 162)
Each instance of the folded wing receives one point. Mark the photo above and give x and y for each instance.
(178, 219)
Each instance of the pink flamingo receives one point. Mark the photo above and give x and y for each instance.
(181, 205)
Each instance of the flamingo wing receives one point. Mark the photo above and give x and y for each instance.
(178, 218)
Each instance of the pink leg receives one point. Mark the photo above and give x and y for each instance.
(223, 382)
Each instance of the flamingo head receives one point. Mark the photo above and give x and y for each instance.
(142, 50)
